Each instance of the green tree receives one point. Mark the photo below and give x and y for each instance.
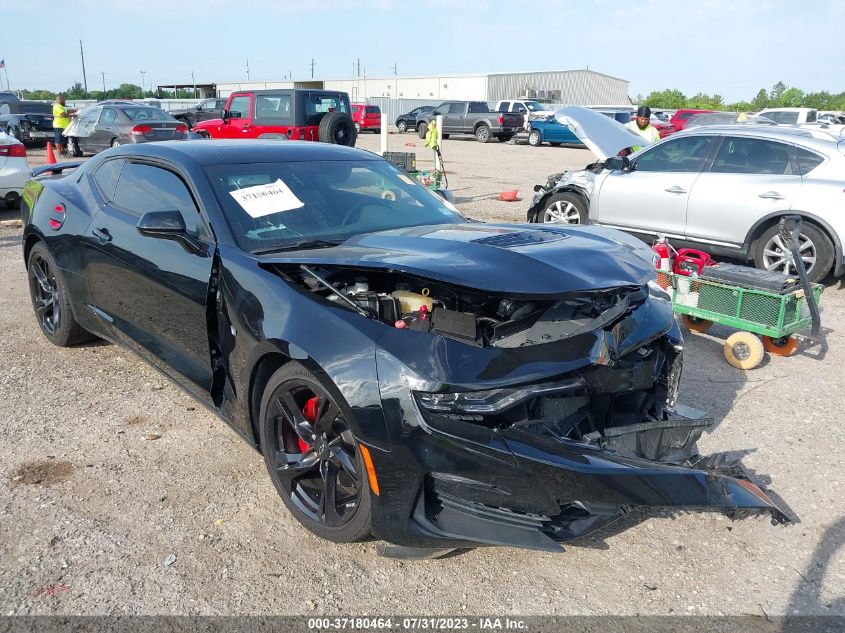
(776, 93)
(792, 98)
(761, 101)
(38, 95)
(665, 99)
(740, 106)
(702, 101)
(76, 91)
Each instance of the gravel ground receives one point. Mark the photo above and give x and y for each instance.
(120, 495)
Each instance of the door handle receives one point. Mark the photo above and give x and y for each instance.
(771, 195)
(103, 235)
(675, 189)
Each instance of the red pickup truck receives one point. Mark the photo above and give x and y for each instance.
(309, 115)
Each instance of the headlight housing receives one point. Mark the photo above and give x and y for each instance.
(658, 292)
(489, 401)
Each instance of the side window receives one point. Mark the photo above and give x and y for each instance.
(456, 108)
(518, 107)
(240, 107)
(144, 188)
(373, 110)
(107, 175)
(108, 116)
(208, 105)
(811, 116)
(807, 160)
(739, 155)
(685, 154)
(505, 106)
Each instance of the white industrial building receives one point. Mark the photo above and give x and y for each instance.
(572, 87)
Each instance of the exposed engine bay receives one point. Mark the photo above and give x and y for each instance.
(473, 317)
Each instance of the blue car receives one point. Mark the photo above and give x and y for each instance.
(550, 130)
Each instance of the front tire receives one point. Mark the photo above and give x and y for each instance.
(534, 138)
(73, 147)
(313, 459)
(816, 249)
(50, 300)
(402, 127)
(564, 208)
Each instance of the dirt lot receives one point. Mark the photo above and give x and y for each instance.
(120, 495)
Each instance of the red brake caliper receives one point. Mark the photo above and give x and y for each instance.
(309, 411)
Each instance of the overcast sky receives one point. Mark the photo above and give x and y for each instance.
(729, 47)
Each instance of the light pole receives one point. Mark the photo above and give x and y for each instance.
(143, 72)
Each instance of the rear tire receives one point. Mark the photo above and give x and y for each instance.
(50, 300)
(115, 142)
(338, 128)
(422, 129)
(766, 251)
(482, 134)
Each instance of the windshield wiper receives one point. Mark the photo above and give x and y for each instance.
(304, 244)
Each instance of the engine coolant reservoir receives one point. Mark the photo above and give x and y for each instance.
(412, 301)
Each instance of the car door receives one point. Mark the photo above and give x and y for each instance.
(152, 291)
(749, 179)
(84, 128)
(652, 196)
(453, 120)
(238, 126)
(104, 130)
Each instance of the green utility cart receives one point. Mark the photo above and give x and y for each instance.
(776, 317)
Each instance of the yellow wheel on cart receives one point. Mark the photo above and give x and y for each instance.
(744, 350)
(783, 346)
(695, 324)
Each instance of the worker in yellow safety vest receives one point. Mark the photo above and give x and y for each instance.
(431, 136)
(643, 127)
(61, 119)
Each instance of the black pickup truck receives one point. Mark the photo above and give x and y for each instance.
(473, 117)
(28, 121)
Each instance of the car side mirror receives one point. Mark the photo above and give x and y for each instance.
(167, 225)
(618, 163)
(226, 115)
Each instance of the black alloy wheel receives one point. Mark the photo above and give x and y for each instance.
(50, 300)
(313, 458)
(45, 294)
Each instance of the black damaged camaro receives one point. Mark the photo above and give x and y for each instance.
(405, 372)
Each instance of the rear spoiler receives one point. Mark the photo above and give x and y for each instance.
(56, 168)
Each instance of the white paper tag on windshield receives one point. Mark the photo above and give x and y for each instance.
(262, 200)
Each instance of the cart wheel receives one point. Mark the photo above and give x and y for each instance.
(744, 350)
(696, 324)
(783, 346)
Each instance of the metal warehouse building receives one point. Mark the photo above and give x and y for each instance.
(571, 87)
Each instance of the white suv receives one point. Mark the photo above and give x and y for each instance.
(720, 188)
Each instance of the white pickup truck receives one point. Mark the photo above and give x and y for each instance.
(527, 108)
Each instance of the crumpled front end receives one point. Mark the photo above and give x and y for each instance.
(536, 444)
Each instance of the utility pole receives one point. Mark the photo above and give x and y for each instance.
(84, 77)
(394, 69)
(104, 84)
(143, 73)
(359, 66)
(313, 63)
(247, 72)
(194, 81)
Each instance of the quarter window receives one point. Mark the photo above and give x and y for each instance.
(107, 175)
(144, 188)
(752, 156)
(807, 160)
(685, 154)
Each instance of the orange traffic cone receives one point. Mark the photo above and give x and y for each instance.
(51, 157)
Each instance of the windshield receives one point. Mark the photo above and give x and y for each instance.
(147, 114)
(782, 118)
(270, 206)
(33, 108)
(533, 106)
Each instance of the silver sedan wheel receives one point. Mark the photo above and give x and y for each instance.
(776, 257)
(561, 212)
